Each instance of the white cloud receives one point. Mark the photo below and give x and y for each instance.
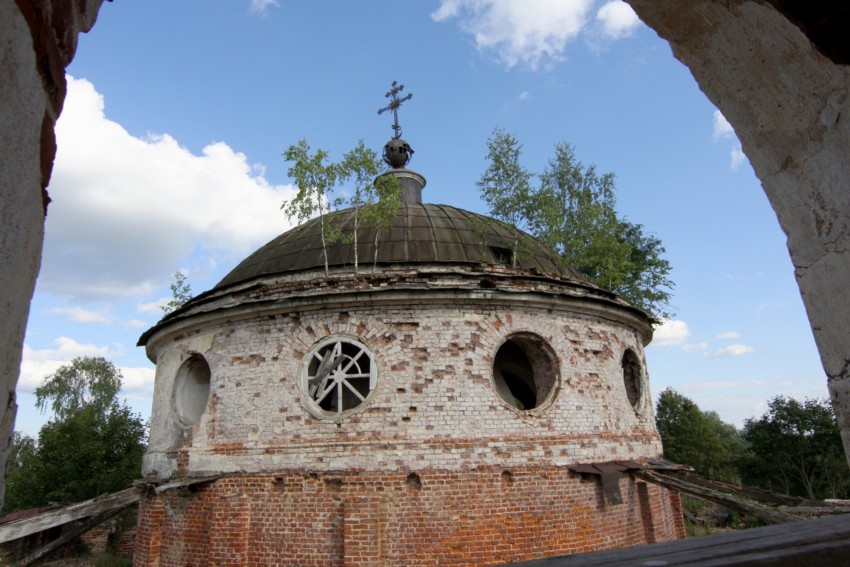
(37, 364)
(723, 130)
(732, 350)
(617, 19)
(81, 315)
(127, 211)
(729, 335)
(524, 95)
(261, 6)
(737, 158)
(137, 381)
(670, 333)
(154, 307)
(695, 347)
(135, 324)
(520, 31)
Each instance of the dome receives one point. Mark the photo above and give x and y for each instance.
(420, 234)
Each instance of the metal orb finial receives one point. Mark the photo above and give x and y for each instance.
(397, 153)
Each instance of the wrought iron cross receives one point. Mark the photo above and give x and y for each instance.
(395, 102)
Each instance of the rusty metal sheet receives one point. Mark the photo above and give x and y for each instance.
(420, 233)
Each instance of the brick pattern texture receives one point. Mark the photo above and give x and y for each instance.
(488, 516)
(435, 468)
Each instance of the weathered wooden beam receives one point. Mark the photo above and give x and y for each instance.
(46, 520)
(766, 513)
(823, 510)
(68, 536)
(744, 491)
(184, 483)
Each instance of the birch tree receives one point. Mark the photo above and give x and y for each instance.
(315, 180)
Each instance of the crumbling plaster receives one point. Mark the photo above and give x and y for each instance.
(788, 103)
(37, 42)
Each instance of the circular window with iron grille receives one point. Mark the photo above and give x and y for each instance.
(338, 376)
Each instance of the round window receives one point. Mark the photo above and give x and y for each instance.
(525, 371)
(192, 389)
(337, 376)
(632, 373)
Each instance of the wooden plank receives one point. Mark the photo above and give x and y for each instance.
(46, 520)
(68, 536)
(745, 491)
(765, 513)
(818, 542)
(184, 482)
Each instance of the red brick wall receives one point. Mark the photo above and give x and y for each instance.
(481, 517)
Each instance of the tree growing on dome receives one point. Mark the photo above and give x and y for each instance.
(572, 210)
(315, 181)
(373, 198)
(506, 186)
(181, 293)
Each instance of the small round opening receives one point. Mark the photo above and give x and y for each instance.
(632, 372)
(192, 389)
(525, 371)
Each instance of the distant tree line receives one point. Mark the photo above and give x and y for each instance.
(92, 445)
(794, 448)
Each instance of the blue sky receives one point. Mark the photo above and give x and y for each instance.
(177, 114)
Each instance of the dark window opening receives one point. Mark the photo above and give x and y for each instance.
(524, 371)
(502, 255)
(632, 372)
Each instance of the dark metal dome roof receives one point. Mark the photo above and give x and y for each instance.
(420, 234)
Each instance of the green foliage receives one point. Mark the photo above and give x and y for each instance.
(506, 186)
(375, 202)
(93, 444)
(573, 211)
(696, 438)
(86, 381)
(181, 293)
(381, 211)
(315, 181)
(23, 475)
(90, 452)
(795, 448)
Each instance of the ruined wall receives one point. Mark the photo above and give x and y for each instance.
(435, 404)
(37, 41)
(486, 516)
(436, 466)
(783, 86)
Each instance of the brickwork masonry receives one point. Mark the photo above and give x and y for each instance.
(488, 516)
(437, 464)
(435, 403)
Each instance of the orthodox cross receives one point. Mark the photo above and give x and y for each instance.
(395, 102)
